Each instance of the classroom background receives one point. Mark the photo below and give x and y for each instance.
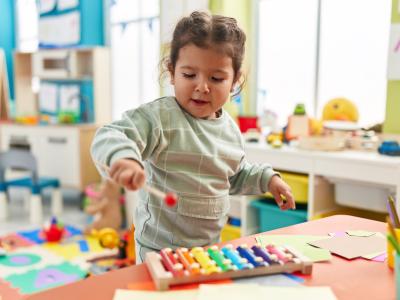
(320, 104)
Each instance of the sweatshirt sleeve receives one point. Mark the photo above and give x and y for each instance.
(135, 136)
(251, 179)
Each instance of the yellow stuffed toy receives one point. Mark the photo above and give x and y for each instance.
(340, 109)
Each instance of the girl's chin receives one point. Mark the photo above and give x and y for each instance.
(202, 115)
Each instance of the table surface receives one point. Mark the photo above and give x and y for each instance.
(355, 279)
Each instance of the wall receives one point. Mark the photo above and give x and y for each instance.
(392, 119)
(242, 11)
(7, 37)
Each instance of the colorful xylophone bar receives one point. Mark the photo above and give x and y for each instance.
(199, 265)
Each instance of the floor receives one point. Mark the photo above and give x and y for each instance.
(18, 216)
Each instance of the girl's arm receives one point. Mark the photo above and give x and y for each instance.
(258, 179)
(251, 179)
(135, 136)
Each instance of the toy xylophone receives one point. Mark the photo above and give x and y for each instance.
(200, 265)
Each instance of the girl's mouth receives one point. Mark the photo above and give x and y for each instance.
(199, 101)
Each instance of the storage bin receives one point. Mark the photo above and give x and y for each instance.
(299, 185)
(230, 232)
(272, 217)
(361, 195)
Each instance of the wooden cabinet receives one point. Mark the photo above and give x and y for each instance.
(61, 151)
(64, 65)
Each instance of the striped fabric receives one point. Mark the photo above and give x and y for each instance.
(202, 161)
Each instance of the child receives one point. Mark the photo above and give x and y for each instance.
(188, 144)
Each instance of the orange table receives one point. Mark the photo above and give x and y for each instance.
(356, 279)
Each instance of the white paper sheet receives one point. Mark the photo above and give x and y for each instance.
(69, 97)
(60, 30)
(240, 292)
(48, 97)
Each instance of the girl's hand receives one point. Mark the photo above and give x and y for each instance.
(128, 173)
(282, 193)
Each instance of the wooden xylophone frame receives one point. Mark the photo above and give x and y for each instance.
(163, 279)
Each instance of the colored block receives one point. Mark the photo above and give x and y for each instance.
(19, 260)
(51, 276)
(35, 235)
(32, 235)
(7, 291)
(25, 259)
(72, 250)
(83, 246)
(13, 241)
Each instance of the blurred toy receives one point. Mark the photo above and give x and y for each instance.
(391, 148)
(275, 139)
(252, 135)
(268, 121)
(363, 140)
(317, 126)
(299, 110)
(27, 120)
(105, 207)
(109, 238)
(298, 124)
(247, 122)
(54, 231)
(340, 109)
(67, 117)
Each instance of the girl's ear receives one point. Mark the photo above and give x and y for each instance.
(171, 74)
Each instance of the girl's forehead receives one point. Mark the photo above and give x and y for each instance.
(193, 56)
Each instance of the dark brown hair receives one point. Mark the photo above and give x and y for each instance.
(208, 31)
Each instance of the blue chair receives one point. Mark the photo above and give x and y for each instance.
(19, 159)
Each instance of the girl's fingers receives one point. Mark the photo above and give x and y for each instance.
(139, 179)
(116, 176)
(284, 199)
(125, 178)
(289, 203)
(278, 199)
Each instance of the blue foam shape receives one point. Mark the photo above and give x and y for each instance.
(83, 246)
(32, 235)
(73, 230)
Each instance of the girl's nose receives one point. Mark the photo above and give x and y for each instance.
(202, 87)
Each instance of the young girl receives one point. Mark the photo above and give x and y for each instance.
(188, 144)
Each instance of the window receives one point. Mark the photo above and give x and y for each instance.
(287, 51)
(347, 58)
(135, 53)
(353, 55)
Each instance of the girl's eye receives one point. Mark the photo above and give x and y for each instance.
(186, 75)
(217, 79)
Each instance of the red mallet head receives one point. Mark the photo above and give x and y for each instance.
(171, 199)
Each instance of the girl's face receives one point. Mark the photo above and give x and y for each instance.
(203, 80)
